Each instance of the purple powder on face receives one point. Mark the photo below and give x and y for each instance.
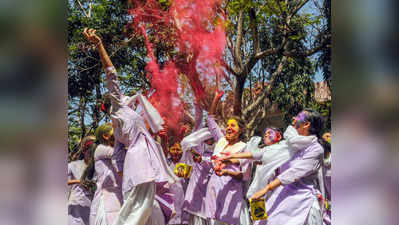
(272, 134)
(300, 118)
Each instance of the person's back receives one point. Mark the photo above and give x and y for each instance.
(107, 199)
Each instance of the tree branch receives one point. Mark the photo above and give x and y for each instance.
(237, 49)
(253, 105)
(253, 120)
(81, 7)
(309, 52)
(299, 6)
(254, 28)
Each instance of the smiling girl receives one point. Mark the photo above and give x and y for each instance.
(224, 197)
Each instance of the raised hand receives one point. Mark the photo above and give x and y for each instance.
(91, 36)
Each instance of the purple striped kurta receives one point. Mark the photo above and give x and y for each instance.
(194, 201)
(290, 203)
(178, 191)
(224, 197)
(143, 162)
(107, 199)
(79, 199)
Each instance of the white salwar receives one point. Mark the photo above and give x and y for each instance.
(138, 205)
(101, 218)
(157, 217)
(315, 216)
(197, 220)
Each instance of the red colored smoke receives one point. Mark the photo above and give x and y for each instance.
(199, 31)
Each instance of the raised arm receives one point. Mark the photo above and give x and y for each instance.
(112, 78)
(216, 99)
(198, 117)
(214, 128)
(91, 36)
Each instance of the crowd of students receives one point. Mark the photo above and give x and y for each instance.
(127, 173)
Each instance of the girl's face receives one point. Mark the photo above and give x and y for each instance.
(271, 137)
(327, 137)
(110, 138)
(233, 130)
(176, 152)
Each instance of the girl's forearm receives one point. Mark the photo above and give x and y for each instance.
(236, 175)
(242, 155)
(105, 60)
(70, 182)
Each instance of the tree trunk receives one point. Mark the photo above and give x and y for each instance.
(96, 112)
(239, 89)
(82, 109)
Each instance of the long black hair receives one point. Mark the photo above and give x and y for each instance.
(88, 147)
(316, 122)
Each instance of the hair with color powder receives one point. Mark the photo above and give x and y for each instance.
(101, 130)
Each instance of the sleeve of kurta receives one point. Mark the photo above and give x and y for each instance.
(307, 164)
(214, 128)
(198, 118)
(257, 155)
(118, 158)
(245, 165)
(69, 172)
(320, 178)
(113, 86)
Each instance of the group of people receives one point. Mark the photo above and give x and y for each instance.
(126, 174)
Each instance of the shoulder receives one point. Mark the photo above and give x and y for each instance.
(241, 145)
(102, 150)
(75, 163)
(314, 149)
(221, 141)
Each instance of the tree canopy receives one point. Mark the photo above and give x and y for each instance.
(273, 50)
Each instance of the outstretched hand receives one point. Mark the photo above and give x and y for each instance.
(91, 36)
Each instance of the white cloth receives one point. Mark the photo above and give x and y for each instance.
(101, 216)
(196, 220)
(193, 140)
(137, 205)
(157, 217)
(152, 116)
(245, 214)
(315, 215)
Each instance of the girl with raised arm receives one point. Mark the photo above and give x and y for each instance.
(144, 163)
(224, 197)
